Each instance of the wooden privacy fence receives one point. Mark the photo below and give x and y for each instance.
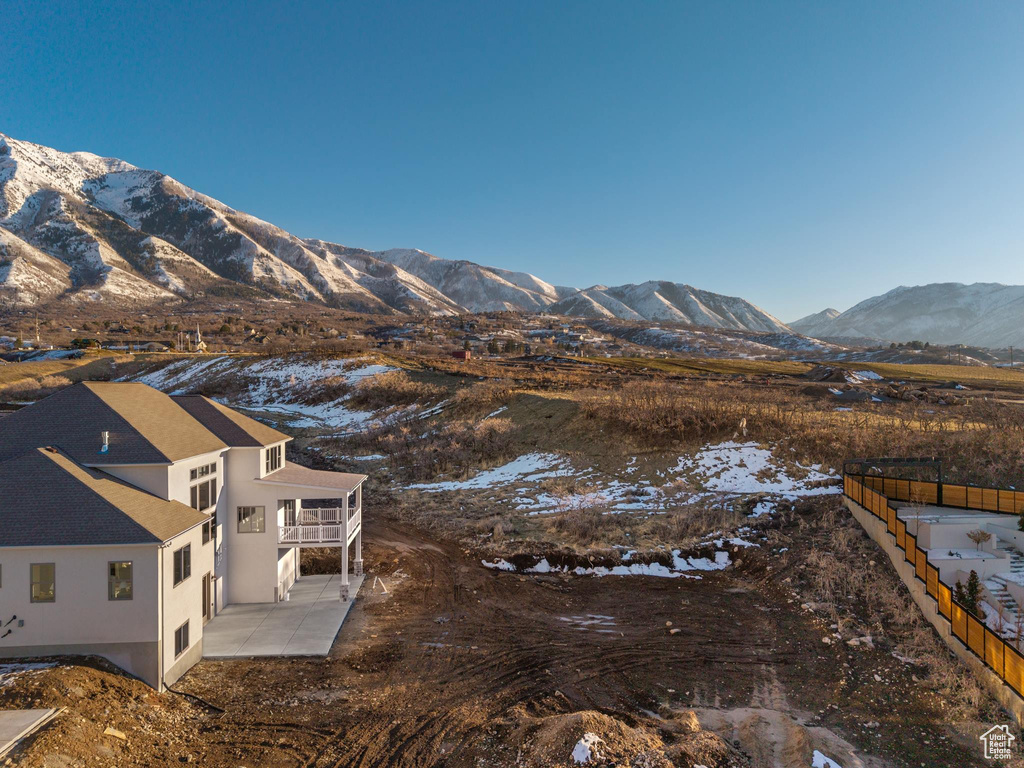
(999, 500)
(873, 493)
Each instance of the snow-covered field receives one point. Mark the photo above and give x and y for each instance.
(275, 386)
(721, 471)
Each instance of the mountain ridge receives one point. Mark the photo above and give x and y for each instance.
(978, 314)
(85, 228)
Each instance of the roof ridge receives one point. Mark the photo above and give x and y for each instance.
(112, 405)
(52, 454)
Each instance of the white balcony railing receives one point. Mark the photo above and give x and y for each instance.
(319, 526)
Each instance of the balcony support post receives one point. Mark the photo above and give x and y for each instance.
(344, 550)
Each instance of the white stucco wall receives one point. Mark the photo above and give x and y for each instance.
(82, 619)
(183, 602)
(81, 612)
(251, 574)
(148, 477)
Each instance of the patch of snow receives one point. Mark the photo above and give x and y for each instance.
(746, 468)
(821, 761)
(529, 467)
(586, 749)
(8, 672)
(501, 565)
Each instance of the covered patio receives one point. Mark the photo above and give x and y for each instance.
(321, 509)
(303, 625)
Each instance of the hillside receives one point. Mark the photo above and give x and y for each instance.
(980, 314)
(81, 228)
(665, 301)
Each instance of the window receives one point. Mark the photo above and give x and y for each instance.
(180, 639)
(203, 471)
(209, 531)
(119, 580)
(273, 459)
(182, 564)
(43, 582)
(251, 520)
(204, 495)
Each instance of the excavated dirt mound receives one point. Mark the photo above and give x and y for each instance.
(108, 718)
(594, 738)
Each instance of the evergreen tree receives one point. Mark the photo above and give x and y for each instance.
(969, 596)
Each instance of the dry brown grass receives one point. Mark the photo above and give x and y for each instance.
(847, 578)
(456, 448)
(32, 389)
(393, 388)
(483, 396)
(980, 442)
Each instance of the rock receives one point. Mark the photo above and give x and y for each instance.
(115, 733)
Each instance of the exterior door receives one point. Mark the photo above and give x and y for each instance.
(207, 598)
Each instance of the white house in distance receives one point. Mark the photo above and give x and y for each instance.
(129, 518)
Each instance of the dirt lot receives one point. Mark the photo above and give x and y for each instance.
(459, 665)
(462, 665)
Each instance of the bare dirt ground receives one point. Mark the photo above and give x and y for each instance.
(463, 666)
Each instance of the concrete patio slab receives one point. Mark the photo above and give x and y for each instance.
(304, 625)
(16, 724)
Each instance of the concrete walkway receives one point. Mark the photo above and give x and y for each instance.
(304, 625)
(16, 724)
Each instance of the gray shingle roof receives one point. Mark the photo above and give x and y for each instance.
(229, 425)
(49, 500)
(146, 426)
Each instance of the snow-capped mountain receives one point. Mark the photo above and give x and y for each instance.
(813, 324)
(78, 227)
(671, 302)
(981, 314)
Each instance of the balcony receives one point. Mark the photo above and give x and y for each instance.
(323, 526)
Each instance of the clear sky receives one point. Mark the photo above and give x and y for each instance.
(800, 155)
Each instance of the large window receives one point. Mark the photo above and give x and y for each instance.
(203, 471)
(204, 494)
(44, 582)
(252, 520)
(273, 462)
(119, 580)
(180, 639)
(182, 564)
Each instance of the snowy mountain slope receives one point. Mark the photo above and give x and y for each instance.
(816, 323)
(595, 302)
(672, 302)
(981, 314)
(27, 275)
(127, 233)
(477, 288)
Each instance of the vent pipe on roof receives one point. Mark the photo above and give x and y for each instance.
(106, 442)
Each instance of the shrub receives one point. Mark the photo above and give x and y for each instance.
(393, 388)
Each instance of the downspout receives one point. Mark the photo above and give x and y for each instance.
(160, 624)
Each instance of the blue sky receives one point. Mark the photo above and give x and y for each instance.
(800, 155)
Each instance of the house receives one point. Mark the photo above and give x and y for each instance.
(130, 518)
(462, 354)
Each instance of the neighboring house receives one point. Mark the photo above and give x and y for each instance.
(129, 518)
